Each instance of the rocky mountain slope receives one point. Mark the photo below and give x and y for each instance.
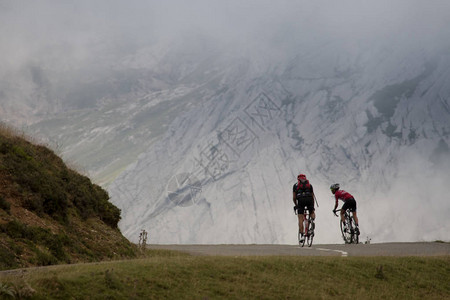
(223, 172)
(198, 123)
(237, 130)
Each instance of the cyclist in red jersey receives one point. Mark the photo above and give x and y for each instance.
(349, 203)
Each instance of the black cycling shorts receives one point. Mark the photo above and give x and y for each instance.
(305, 201)
(349, 204)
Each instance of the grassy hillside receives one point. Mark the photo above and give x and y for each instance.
(171, 275)
(49, 213)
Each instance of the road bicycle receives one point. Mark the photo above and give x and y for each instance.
(348, 230)
(308, 224)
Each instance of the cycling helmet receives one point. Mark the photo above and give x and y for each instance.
(301, 177)
(334, 187)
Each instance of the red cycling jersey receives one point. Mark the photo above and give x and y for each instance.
(343, 195)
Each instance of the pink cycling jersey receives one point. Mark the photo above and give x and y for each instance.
(343, 195)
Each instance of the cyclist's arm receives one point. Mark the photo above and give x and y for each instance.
(336, 203)
(294, 197)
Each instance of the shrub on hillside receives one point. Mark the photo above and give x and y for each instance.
(50, 187)
(7, 258)
(5, 205)
(90, 200)
(108, 212)
(34, 169)
(44, 258)
(40, 236)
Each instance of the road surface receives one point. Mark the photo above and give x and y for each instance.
(385, 249)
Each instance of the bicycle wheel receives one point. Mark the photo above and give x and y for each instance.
(355, 236)
(345, 233)
(305, 220)
(310, 236)
(300, 242)
(351, 230)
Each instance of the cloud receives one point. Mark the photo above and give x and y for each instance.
(68, 33)
(412, 204)
(78, 45)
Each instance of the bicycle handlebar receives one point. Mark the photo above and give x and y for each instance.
(336, 210)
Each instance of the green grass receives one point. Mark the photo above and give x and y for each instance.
(172, 275)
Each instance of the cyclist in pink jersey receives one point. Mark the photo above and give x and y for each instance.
(349, 203)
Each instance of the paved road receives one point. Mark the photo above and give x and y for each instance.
(385, 249)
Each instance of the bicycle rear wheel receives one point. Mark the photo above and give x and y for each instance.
(305, 228)
(310, 236)
(354, 236)
(346, 233)
(300, 242)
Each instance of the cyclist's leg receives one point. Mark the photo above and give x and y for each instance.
(343, 209)
(312, 213)
(300, 222)
(311, 208)
(313, 218)
(305, 217)
(352, 206)
(342, 215)
(301, 215)
(355, 216)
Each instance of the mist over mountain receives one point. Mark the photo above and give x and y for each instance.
(197, 117)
